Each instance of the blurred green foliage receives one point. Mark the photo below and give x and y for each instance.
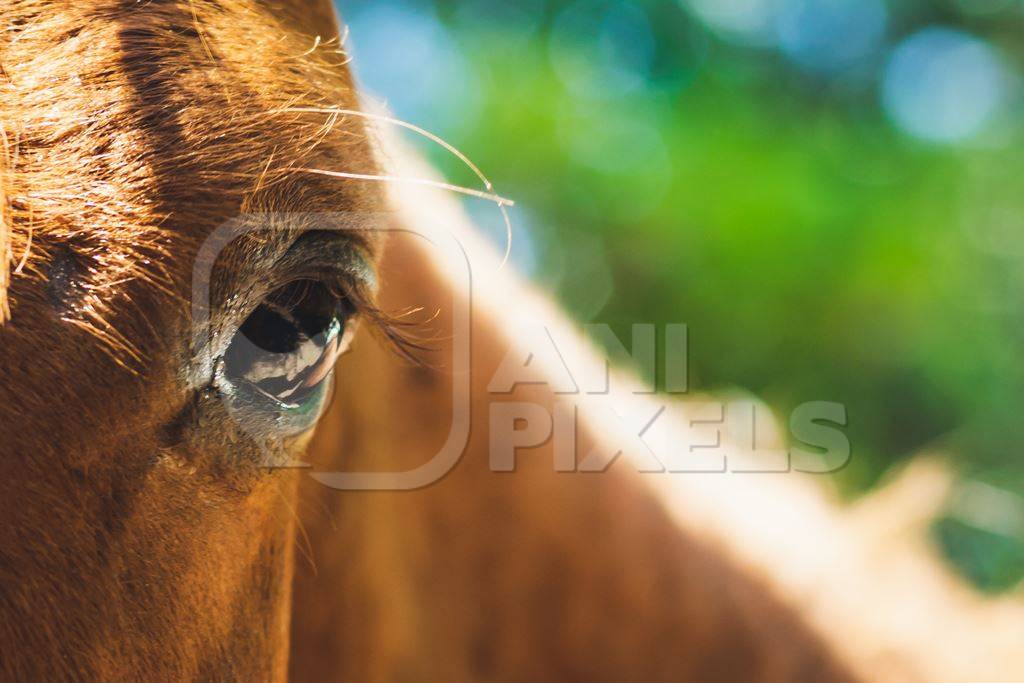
(815, 249)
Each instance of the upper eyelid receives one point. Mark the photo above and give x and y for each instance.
(316, 253)
(252, 274)
(335, 263)
(337, 259)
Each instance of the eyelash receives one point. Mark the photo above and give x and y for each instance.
(395, 329)
(398, 330)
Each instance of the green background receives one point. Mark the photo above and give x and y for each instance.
(668, 170)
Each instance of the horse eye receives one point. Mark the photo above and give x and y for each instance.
(287, 347)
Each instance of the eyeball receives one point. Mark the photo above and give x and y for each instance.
(280, 359)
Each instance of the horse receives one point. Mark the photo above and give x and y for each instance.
(198, 219)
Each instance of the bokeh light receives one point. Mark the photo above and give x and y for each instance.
(602, 49)
(829, 35)
(748, 21)
(943, 85)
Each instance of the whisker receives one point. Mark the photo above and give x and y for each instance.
(266, 169)
(497, 199)
(5, 228)
(403, 124)
(454, 151)
(316, 44)
(305, 544)
(28, 243)
(199, 30)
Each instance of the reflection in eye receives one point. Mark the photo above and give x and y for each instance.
(287, 347)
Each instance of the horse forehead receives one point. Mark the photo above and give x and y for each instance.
(132, 131)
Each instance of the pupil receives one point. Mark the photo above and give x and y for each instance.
(270, 331)
(282, 343)
(311, 305)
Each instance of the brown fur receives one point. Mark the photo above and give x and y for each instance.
(142, 539)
